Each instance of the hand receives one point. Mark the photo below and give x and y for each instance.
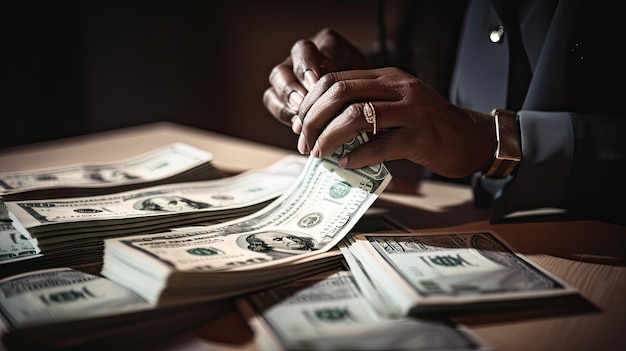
(326, 51)
(414, 122)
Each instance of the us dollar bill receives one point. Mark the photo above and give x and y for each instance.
(159, 203)
(421, 272)
(175, 162)
(309, 218)
(328, 312)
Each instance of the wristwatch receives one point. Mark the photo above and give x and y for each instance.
(508, 152)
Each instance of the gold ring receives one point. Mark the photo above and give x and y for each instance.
(370, 114)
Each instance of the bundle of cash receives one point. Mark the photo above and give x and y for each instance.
(174, 163)
(70, 231)
(329, 312)
(65, 308)
(420, 273)
(291, 237)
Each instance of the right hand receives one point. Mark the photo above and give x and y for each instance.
(413, 122)
(290, 81)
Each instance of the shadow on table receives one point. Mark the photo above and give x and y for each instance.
(517, 311)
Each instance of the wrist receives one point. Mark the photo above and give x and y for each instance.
(484, 141)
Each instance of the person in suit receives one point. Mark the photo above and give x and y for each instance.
(531, 114)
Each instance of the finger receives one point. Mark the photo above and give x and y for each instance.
(391, 145)
(296, 124)
(333, 80)
(286, 86)
(341, 52)
(371, 153)
(280, 110)
(344, 127)
(308, 63)
(334, 93)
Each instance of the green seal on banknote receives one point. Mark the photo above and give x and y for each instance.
(339, 190)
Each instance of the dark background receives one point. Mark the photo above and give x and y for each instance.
(77, 67)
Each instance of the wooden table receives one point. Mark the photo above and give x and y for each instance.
(589, 255)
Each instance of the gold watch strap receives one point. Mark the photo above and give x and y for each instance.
(508, 152)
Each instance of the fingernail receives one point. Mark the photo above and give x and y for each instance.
(302, 148)
(343, 162)
(296, 124)
(295, 100)
(310, 78)
(316, 150)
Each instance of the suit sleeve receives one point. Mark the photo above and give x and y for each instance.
(570, 161)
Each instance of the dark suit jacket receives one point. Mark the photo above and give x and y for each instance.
(560, 65)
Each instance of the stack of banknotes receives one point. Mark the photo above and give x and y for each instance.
(328, 311)
(173, 163)
(68, 309)
(70, 230)
(64, 308)
(420, 274)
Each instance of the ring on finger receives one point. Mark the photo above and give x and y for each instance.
(370, 115)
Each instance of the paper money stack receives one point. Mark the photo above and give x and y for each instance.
(70, 230)
(174, 163)
(67, 309)
(421, 273)
(328, 311)
(170, 163)
(290, 238)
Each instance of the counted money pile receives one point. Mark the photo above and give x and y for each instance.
(67, 309)
(420, 273)
(70, 231)
(290, 238)
(174, 163)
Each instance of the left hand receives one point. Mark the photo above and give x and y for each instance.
(309, 59)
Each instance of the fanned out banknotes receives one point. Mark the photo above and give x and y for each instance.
(67, 309)
(421, 273)
(174, 163)
(288, 239)
(328, 311)
(70, 231)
